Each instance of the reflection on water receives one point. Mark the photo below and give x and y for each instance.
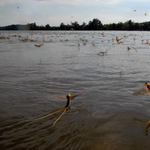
(70, 61)
(147, 124)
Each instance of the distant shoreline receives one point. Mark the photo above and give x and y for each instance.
(95, 24)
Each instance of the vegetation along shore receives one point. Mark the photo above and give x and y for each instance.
(95, 24)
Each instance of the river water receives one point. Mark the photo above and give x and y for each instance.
(70, 62)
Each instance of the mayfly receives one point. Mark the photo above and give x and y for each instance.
(69, 97)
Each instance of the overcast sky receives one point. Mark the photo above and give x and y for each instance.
(54, 12)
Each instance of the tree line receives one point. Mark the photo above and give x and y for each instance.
(95, 24)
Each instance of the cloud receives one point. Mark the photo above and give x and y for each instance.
(140, 0)
(82, 2)
(5, 2)
(71, 2)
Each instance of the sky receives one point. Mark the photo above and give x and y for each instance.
(55, 12)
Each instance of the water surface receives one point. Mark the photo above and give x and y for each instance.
(100, 119)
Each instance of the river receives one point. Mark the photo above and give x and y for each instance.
(106, 117)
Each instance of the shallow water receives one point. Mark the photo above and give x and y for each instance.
(99, 120)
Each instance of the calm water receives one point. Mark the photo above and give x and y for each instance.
(102, 119)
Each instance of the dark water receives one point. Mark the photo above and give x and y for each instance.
(102, 119)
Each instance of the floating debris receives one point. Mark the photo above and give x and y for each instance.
(128, 48)
(85, 40)
(13, 35)
(102, 33)
(102, 53)
(2, 37)
(38, 45)
(24, 40)
(32, 40)
(118, 40)
(147, 42)
(93, 44)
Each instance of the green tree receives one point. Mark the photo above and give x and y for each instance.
(95, 25)
(83, 26)
(75, 25)
(32, 26)
(62, 26)
(47, 27)
(120, 26)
